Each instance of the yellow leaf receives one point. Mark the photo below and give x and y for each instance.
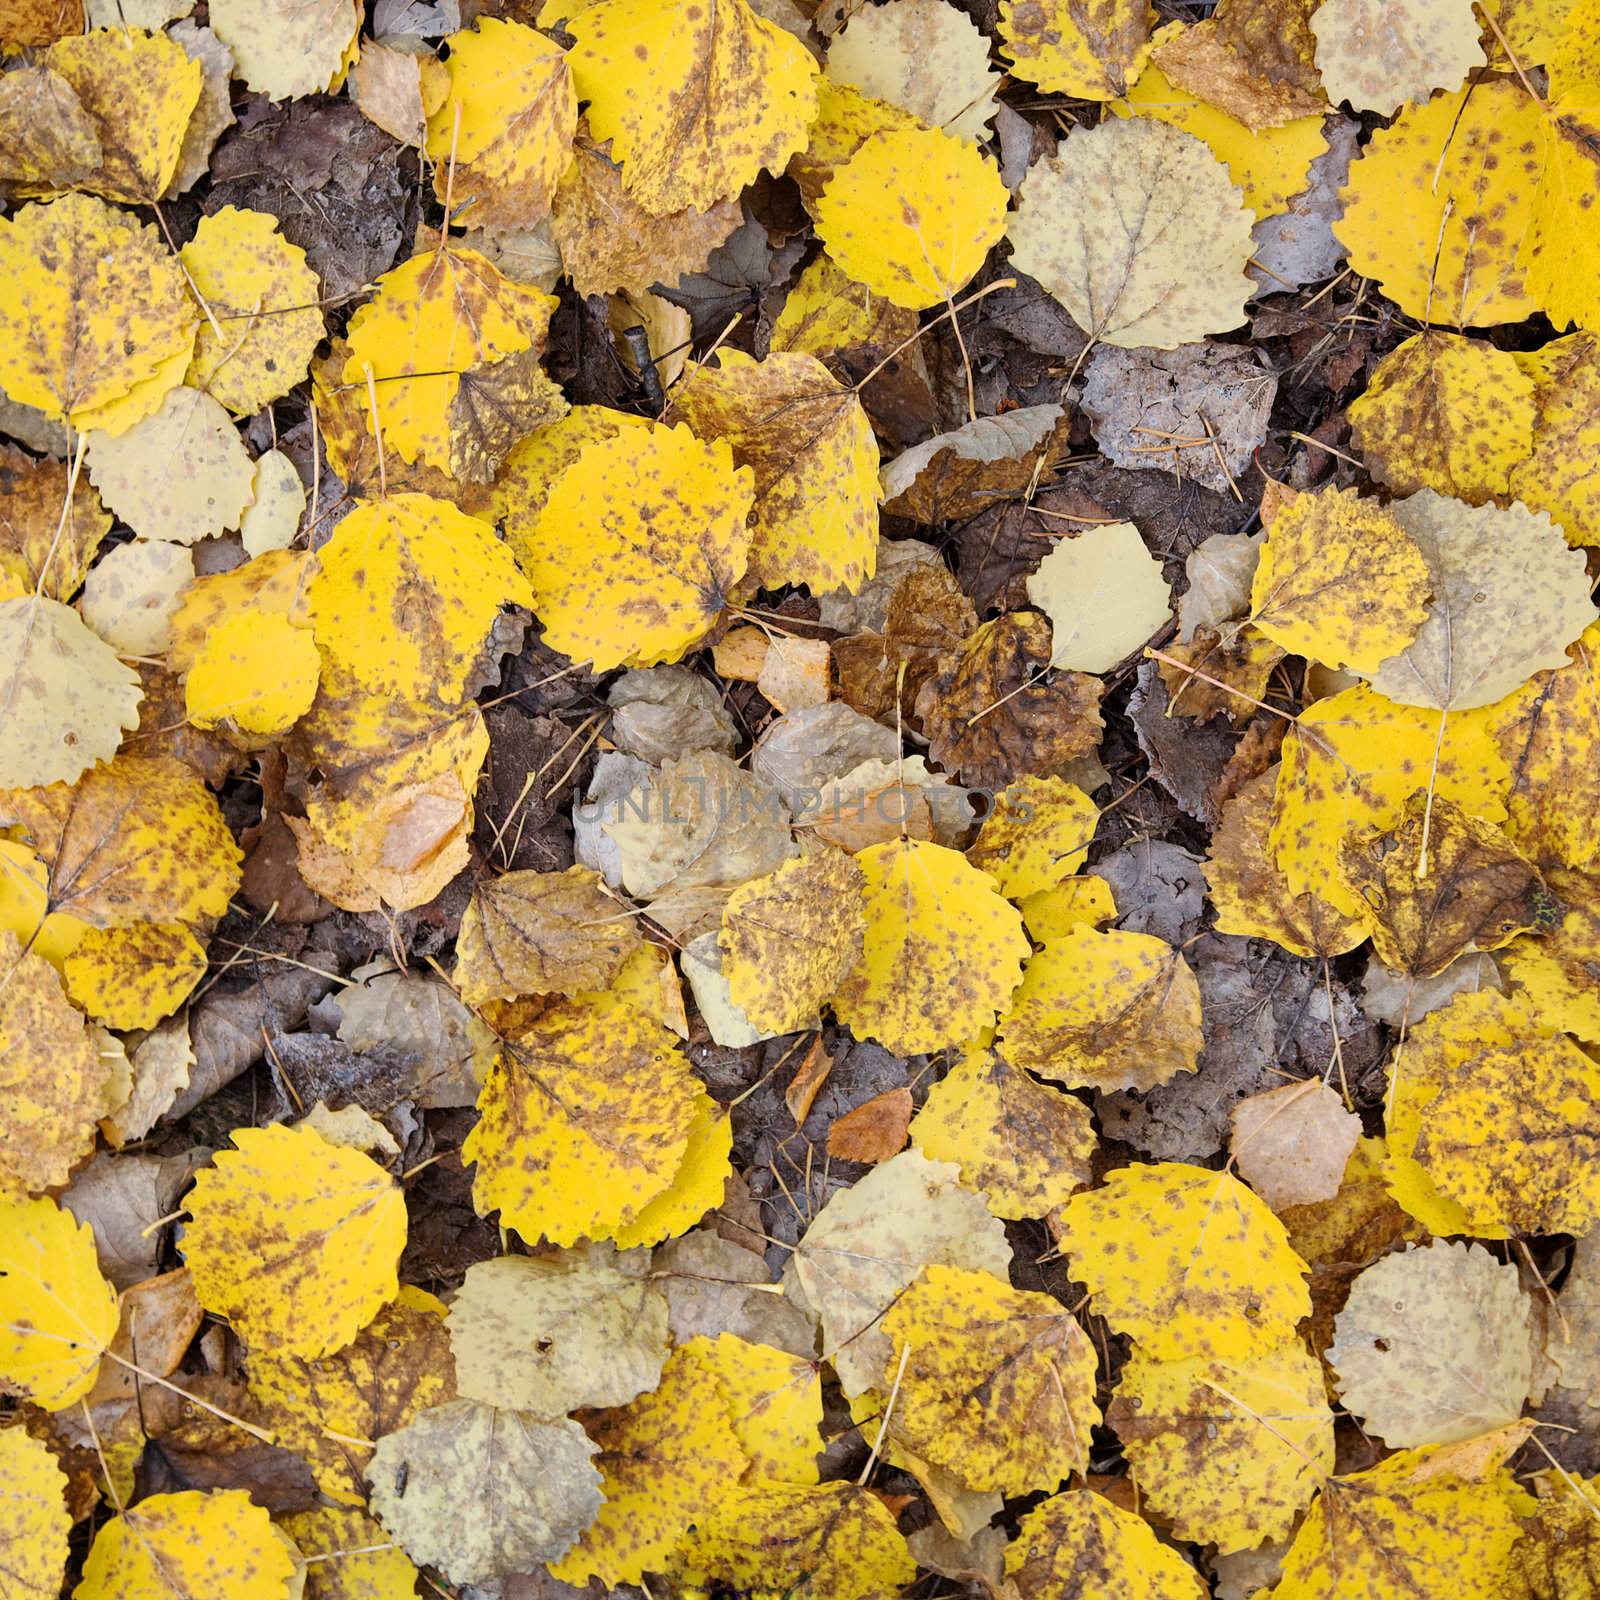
(269, 585)
(1156, 240)
(206, 475)
(1447, 413)
(813, 460)
(584, 1119)
(1340, 580)
(912, 214)
(140, 90)
(665, 1460)
(1112, 1010)
(265, 300)
(349, 1556)
(638, 546)
(789, 939)
(1189, 1263)
(1426, 45)
(433, 318)
(1227, 1451)
(1554, 474)
(1104, 594)
(25, 906)
(133, 977)
(930, 916)
(53, 1080)
(131, 594)
(405, 594)
(1438, 203)
(277, 503)
(33, 495)
(1079, 1544)
(1508, 598)
(1026, 1148)
(57, 1314)
(1089, 49)
(257, 672)
(33, 1549)
(773, 1401)
(323, 1407)
(696, 100)
(288, 48)
(182, 1546)
(1554, 972)
(1074, 902)
(696, 1187)
(1405, 1530)
(99, 336)
(1350, 764)
(1556, 1557)
(997, 1384)
(294, 1240)
(138, 840)
(1271, 166)
(846, 118)
(536, 463)
(65, 698)
(503, 134)
(1561, 251)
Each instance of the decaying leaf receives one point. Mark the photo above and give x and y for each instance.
(1426, 45)
(1083, 1544)
(1089, 49)
(1292, 1145)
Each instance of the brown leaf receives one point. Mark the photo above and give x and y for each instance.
(961, 473)
(928, 617)
(494, 408)
(994, 711)
(808, 1079)
(1291, 1144)
(47, 138)
(1238, 656)
(1254, 59)
(875, 1130)
(159, 1319)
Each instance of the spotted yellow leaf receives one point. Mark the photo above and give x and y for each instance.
(296, 1241)
(33, 1548)
(133, 977)
(349, 1556)
(1554, 970)
(1038, 833)
(1085, 900)
(288, 48)
(53, 553)
(773, 1401)
(258, 673)
(1089, 49)
(1553, 475)
(696, 1187)
(1080, 1544)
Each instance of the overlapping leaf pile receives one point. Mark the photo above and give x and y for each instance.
(622, 625)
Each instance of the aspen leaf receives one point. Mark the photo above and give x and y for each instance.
(271, 584)
(433, 318)
(912, 214)
(49, 138)
(322, 1407)
(265, 300)
(1446, 413)
(846, 118)
(1025, 1147)
(405, 594)
(1441, 884)
(550, 1335)
(57, 1314)
(1037, 833)
(206, 475)
(869, 1243)
(812, 457)
(1292, 1144)
(774, 1404)
(25, 906)
(285, 49)
(364, 1564)
(962, 472)
(101, 335)
(1089, 49)
(133, 977)
(53, 552)
(663, 1459)
(789, 939)
(131, 593)
(775, 1538)
(257, 673)
(1113, 1010)
(1104, 594)
(64, 697)
(479, 1492)
(638, 546)
(1553, 971)
(503, 134)
(139, 90)
(696, 1187)
(186, 1546)
(1211, 1274)
(1080, 1544)
(1508, 598)
(694, 105)
(924, 56)
(997, 1385)
(584, 1119)
(139, 839)
(873, 1131)
(1556, 1554)
(1164, 264)
(33, 1549)
(541, 933)
(1434, 1345)
(1559, 251)
(294, 1240)
(277, 503)
(1232, 1450)
(929, 916)
(1375, 58)
(1552, 472)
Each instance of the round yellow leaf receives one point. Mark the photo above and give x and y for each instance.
(257, 672)
(57, 1314)
(1080, 1545)
(108, 323)
(189, 1546)
(25, 906)
(912, 215)
(1038, 833)
(697, 1187)
(1091, 51)
(774, 1404)
(264, 298)
(941, 951)
(349, 1556)
(33, 1547)
(132, 977)
(294, 1240)
(638, 547)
